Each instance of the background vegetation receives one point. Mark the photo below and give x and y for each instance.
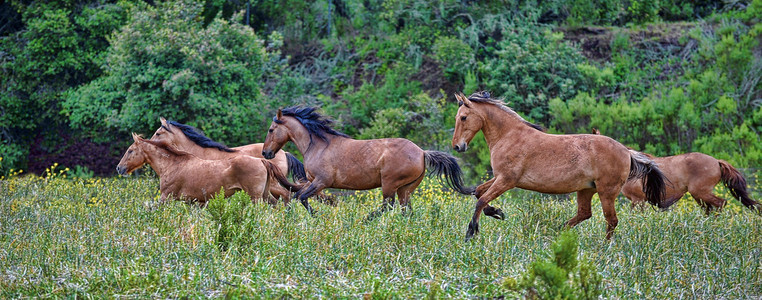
(665, 77)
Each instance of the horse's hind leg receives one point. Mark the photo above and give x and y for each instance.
(608, 200)
(584, 212)
(404, 192)
(708, 200)
(387, 204)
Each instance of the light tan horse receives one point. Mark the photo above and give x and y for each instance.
(523, 156)
(695, 173)
(333, 160)
(185, 176)
(187, 138)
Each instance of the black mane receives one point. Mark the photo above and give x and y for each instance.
(316, 124)
(198, 137)
(484, 97)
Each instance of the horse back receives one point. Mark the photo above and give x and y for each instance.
(364, 164)
(564, 163)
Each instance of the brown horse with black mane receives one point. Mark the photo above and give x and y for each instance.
(695, 173)
(524, 156)
(334, 160)
(185, 176)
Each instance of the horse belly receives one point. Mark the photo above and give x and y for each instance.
(360, 181)
(556, 179)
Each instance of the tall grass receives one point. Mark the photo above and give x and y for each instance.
(109, 237)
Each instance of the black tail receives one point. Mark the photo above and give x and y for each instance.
(440, 164)
(296, 168)
(736, 183)
(653, 180)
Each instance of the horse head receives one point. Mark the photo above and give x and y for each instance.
(277, 136)
(134, 158)
(467, 123)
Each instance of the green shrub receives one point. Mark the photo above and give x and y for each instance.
(455, 57)
(230, 217)
(562, 276)
(164, 63)
(60, 46)
(532, 66)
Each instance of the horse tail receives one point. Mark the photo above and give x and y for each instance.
(443, 164)
(736, 183)
(275, 173)
(296, 168)
(642, 167)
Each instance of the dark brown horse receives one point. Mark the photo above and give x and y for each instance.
(695, 173)
(185, 176)
(524, 156)
(333, 160)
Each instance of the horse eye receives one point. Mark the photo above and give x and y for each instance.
(158, 134)
(463, 118)
(129, 151)
(270, 130)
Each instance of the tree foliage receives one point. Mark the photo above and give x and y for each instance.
(97, 69)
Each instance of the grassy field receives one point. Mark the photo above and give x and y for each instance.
(108, 237)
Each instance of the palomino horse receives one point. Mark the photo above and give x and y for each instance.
(524, 156)
(188, 177)
(189, 139)
(696, 173)
(334, 160)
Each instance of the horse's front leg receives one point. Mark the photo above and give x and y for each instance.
(303, 195)
(489, 210)
(498, 187)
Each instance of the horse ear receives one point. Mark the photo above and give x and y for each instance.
(464, 100)
(135, 137)
(280, 114)
(163, 121)
(460, 102)
(596, 131)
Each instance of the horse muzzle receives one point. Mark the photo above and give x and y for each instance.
(460, 147)
(121, 170)
(268, 154)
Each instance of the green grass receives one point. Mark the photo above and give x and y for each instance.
(108, 237)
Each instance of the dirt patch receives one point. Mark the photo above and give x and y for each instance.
(595, 42)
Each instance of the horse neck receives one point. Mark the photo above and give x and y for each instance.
(307, 144)
(500, 124)
(160, 160)
(185, 144)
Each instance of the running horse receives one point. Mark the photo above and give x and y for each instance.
(189, 139)
(523, 156)
(185, 176)
(695, 173)
(334, 160)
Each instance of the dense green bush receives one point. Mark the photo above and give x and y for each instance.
(60, 46)
(163, 63)
(533, 65)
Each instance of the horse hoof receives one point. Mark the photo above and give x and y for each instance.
(499, 214)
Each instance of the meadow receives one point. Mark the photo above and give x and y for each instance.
(109, 237)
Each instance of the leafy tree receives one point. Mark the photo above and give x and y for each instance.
(164, 63)
(59, 46)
